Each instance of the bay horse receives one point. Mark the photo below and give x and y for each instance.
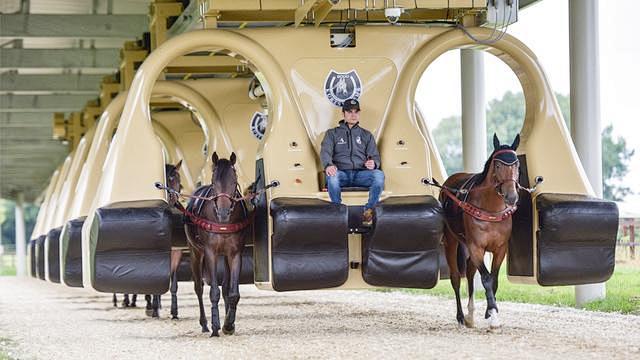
(217, 226)
(172, 175)
(478, 209)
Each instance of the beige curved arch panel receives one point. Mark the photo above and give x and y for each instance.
(66, 196)
(544, 134)
(39, 227)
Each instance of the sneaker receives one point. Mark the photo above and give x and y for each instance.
(367, 217)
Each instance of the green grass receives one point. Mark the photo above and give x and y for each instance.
(623, 292)
(5, 345)
(7, 267)
(7, 271)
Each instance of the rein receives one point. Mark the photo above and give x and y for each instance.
(212, 226)
(477, 212)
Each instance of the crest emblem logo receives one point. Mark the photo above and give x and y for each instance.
(258, 125)
(341, 141)
(358, 140)
(339, 87)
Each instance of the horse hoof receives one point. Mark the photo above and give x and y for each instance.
(148, 312)
(215, 334)
(205, 329)
(174, 317)
(468, 322)
(155, 314)
(229, 331)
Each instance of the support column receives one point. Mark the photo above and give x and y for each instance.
(585, 107)
(21, 243)
(474, 120)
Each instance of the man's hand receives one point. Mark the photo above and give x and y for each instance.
(331, 170)
(370, 164)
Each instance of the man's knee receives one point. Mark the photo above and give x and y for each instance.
(378, 178)
(333, 181)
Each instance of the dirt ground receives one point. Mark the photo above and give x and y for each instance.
(40, 320)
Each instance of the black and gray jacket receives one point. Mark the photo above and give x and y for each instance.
(348, 149)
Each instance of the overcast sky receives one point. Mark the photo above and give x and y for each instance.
(544, 28)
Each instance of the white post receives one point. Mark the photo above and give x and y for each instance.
(474, 121)
(21, 243)
(585, 107)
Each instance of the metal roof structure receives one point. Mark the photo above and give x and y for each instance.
(54, 55)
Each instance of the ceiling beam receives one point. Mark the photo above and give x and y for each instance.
(73, 26)
(11, 58)
(43, 103)
(64, 83)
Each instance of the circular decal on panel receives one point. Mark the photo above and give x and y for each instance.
(258, 125)
(340, 87)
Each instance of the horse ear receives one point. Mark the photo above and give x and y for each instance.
(178, 165)
(232, 158)
(516, 142)
(214, 157)
(496, 142)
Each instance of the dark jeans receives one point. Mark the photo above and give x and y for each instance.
(372, 179)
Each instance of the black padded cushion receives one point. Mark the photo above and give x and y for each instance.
(32, 257)
(402, 250)
(40, 256)
(576, 239)
(132, 244)
(73, 255)
(309, 245)
(52, 243)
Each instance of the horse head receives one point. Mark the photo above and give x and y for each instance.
(225, 182)
(505, 169)
(172, 173)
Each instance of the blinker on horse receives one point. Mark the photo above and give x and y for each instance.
(478, 210)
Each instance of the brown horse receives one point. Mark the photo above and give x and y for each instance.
(217, 225)
(478, 209)
(172, 174)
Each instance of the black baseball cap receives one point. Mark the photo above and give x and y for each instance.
(350, 104)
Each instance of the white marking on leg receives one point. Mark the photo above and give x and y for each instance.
(468, 319)
(494, 322)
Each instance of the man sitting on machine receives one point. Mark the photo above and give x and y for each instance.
(350, 158)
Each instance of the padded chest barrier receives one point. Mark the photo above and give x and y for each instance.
(309, 246)
(72, 252)
(52, 245)
(40, 256)
(576, 239)
(130, 246)
(32, 258)
(403, 248)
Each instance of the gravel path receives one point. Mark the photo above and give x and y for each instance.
(41, 320)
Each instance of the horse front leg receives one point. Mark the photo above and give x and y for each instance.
(498, 257)
(471, 273)
(214, 292)
(225, 285)
(196, 273)
(234, 294)
(155, 304)
(451, 253)
(134, 297)
(176, 256)
(115, 300)
(477, 257)
(125, 301)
